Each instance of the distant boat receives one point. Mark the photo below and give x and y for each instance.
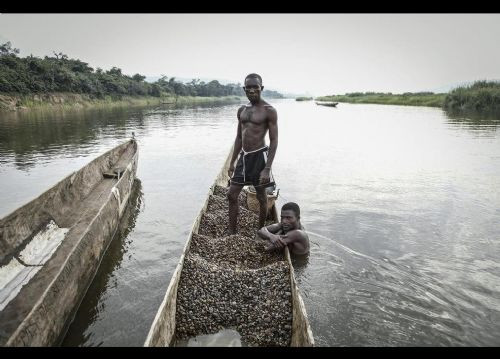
(329, 104)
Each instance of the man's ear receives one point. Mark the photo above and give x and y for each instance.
(261, 87)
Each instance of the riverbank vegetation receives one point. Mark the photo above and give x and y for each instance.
(303, 99)
(480, 97)
(31, 80)
(408, 98)
(68, 101)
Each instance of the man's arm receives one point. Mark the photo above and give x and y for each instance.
(273, 143)
(268, 233)
(237, 144)
(289, 238)
(273, 135)
(264, 232)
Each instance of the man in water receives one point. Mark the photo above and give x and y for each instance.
(289, 232)
(255, 158)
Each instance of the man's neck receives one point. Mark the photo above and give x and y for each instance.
(299, 226)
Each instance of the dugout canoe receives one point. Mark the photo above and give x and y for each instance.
(51, 248)
(163, 328)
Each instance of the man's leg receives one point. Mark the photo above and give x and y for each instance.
(232, 196)
(262, 197)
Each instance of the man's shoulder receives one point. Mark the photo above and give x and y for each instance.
(240, 110)
(299, 233)
(274, 226)
(270, 110)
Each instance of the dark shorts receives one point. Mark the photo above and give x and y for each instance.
(249, 166)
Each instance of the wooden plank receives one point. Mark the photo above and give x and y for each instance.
(301, 331)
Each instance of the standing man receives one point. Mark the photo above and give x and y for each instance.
(255, 158)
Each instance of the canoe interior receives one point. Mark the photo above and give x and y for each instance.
(162, 330)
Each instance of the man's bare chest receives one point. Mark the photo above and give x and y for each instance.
(253, 116)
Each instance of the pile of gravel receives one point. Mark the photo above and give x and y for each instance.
(230, 282)
(256, 303)
(216, 224)
(234, 251)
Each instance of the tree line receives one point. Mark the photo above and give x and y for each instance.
(59, 73)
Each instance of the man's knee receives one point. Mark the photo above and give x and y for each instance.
(232, 194)
(261, 196)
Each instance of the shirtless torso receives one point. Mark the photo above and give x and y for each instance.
(254, 122)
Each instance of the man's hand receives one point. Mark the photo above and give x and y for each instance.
(265, 175)
(277, 241)
(230, 171)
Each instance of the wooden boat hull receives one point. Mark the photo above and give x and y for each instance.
(329, 104)
(44, 288)
(162, 330)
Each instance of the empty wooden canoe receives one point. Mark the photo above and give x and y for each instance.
(51, 247)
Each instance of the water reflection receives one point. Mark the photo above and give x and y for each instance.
(401, 205)
(481, 124)
(28, 137)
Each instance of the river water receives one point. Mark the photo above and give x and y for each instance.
(402, 206)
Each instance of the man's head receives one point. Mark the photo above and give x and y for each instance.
(290, 216)
(253, 87)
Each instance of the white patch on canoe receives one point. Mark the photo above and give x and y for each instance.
(123, 205)
(122, 202)
(43, 245)
(15, 275)
(116, 193)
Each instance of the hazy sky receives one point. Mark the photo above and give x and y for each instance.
(316, 53)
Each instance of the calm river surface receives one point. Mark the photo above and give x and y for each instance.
(402, 205)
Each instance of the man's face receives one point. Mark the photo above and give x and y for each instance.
(253, 89)
(289, 220)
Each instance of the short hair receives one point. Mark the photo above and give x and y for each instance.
(293, 207)
(255, 76)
